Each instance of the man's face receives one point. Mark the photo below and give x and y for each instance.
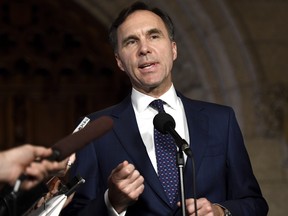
(145, 52)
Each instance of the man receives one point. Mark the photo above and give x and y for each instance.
(122, 168)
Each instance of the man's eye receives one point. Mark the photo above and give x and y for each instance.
(154, 36)
(130, 42)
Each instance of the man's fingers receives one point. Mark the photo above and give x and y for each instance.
(133, 182)
(41, 152)
(122, 171)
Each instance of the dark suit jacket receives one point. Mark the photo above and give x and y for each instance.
(223, 170)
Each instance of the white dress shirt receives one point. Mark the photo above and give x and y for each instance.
(144, 117)
(145, 114)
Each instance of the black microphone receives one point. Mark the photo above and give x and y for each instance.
(78, 140)
(165, 123)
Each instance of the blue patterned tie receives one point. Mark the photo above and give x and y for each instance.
(166, 158)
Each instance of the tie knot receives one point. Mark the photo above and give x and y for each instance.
(158, 105)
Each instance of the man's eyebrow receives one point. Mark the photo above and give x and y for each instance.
(134, 37)
(154, 30)
(124, 41)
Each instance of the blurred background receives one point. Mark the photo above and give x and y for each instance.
(56, 65)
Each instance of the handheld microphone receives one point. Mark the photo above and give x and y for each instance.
(61, 150)
(79, 139)
(165, 123)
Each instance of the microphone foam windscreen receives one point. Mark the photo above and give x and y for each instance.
(74, 142)
(162, 121)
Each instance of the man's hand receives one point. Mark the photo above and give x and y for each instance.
(125, 186)
(30, 161)
(14, 161)
(204, 207)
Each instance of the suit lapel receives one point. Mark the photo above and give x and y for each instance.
(126, 128)
(198, 130)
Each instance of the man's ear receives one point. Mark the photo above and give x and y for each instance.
(174, 50)
(119, 62)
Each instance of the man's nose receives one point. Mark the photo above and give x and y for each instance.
(144, 48)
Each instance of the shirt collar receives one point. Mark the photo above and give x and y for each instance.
(141, 101)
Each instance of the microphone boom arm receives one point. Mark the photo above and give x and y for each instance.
(181, 143)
